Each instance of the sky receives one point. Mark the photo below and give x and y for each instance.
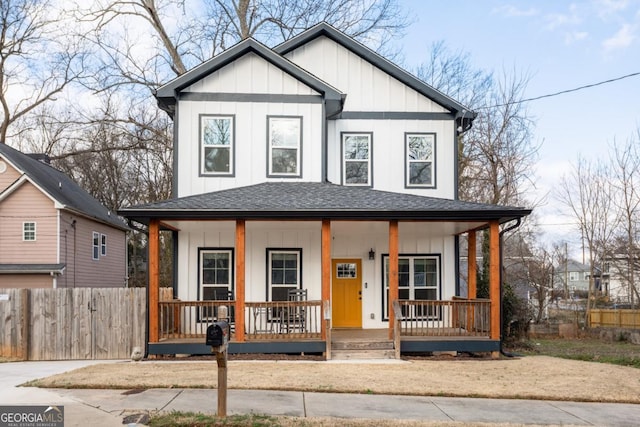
(561, 45)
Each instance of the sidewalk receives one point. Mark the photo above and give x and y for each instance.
(108, 407)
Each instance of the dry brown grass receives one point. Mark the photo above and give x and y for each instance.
(533, 377)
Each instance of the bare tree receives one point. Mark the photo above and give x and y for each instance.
(36, 65)
(587, 192)
(626, 180)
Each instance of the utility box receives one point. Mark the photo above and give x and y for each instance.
(218, 334)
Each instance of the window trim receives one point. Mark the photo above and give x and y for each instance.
(343, 160)
(203, 250)
(232, 145)
(298, 172)
(103, 244)
(385, 284)
(268, 284)
(407, 162)
(95, 246)
(25, 231)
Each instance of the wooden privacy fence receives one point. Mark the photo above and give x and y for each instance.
(79, 323)
(614, 318)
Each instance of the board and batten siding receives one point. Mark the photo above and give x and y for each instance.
(250, 74)
(251, 143)
(107, 271)
(367, 87)
(349, 240)
(28, 204)
(388, 153)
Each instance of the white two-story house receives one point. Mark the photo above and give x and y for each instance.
(317, 166)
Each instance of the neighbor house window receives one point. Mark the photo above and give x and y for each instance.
(285, 146)
(418, 279)
(420, 151)
(284, 272)
(103, 244)
(216, 145)
(216, 274)
(96, 245)
(356, 159)
(574, 276)
(28, 231)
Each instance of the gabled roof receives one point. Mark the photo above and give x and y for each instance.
(462, 113)
(168, 94)
(59, 187)
(314, 200)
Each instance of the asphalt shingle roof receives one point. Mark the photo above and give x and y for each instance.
(60, 187)
(318, 200)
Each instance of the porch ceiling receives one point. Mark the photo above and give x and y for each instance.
(315, 201)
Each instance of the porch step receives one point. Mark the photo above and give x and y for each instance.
(362, 345)
(362, 354)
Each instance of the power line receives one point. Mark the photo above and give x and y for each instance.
(562, 92)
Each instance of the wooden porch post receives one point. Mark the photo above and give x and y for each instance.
(494, 278)
(240, 279)
(393, 272)
(326, 271)
(472, 266)
(154, 279)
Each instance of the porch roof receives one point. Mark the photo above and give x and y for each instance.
(52, 269)
(314, 200)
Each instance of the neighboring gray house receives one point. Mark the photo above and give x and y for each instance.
(53, 234)
(572, 277)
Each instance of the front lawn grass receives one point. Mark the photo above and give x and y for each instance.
(588, 349)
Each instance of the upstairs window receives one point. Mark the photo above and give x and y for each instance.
(216, 145)
(356, 159)
(28, 231)
(103, 244)
(285, 146)
(96, 245)
(420, 151)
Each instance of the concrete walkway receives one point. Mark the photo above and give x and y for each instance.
(108, 407)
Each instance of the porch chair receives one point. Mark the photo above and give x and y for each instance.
(294, 317)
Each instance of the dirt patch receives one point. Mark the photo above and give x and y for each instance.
(532, 377)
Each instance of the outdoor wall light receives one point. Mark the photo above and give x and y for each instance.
(372, 254)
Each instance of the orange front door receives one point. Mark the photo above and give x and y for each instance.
(346, 293)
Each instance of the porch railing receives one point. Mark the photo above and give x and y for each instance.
(273, 320)
(459, 317)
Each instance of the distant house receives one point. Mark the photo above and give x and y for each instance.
(620, 271)
(317, 170)
(572, 277)
(53, 234)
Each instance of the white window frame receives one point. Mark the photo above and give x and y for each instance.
(411, 258)
(427, 157)
(29, 231)
(211, 141)
(292, 141)
(103, 245)
(574, 276)
(298, 280)
(347, 161)
(95, 253)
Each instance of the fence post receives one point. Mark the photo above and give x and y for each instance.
(25, 316)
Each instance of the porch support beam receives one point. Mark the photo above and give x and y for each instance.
(393, 272)
(494, 278)
(472, 266)
(240, 279)
(154, 280)
(326, 272)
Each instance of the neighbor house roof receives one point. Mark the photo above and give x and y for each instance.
(311, 200)
(464, 115)
(59, 187)
(32, 268)
(170, 92)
